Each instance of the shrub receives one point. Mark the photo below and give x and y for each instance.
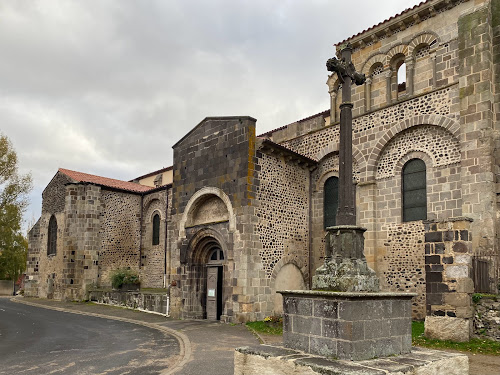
(122, 276)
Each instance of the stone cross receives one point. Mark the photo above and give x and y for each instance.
(347, 74)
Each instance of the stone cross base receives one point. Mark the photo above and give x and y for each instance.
(270, 360)
(346, 275)
(352, 326)
(345, 268)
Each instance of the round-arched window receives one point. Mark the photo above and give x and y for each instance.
(156, 229)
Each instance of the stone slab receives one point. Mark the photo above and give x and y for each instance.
(448, 328)
(271, 360)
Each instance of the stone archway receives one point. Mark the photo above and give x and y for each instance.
(207, 287)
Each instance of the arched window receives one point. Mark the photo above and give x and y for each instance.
(414, 191)
(156, 229)
(52, 236)
(402, 77)
(216, 256)
(331, 201)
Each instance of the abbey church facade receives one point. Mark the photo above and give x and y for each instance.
(239, 216)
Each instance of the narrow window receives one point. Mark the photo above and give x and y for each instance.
(331, 201)
(156, 229)
(414, 191)
(402, 77)
(52, 236)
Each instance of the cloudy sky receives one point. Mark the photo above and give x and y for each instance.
(107, 87)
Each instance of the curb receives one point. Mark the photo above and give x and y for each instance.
(185, 350)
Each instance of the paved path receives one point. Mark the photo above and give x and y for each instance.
(38, 341)
(204, 347)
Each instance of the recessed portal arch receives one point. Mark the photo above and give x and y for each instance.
(207, 267)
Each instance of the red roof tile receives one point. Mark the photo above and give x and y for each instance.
(381, 23)
(104, 181)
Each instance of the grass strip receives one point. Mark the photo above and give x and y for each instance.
(475, 345)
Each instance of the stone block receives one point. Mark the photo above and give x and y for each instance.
(325, 308)
(433, 237)
(377, 328)
(457, 299)
(448, 328)
(323, 346)
(307, 325)
(457, 272)
(296, 341)
(299, 306)
(400, 327)
(330, 328)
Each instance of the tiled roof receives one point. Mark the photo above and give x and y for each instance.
(153, 173)
(385, 21)
(104, 181)
(323, 113)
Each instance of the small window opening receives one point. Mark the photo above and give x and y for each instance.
(414, 191)
(402, 77)
(330, 201)
(156, 229)
(52, 236)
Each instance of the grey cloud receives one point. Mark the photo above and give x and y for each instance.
(107, 87)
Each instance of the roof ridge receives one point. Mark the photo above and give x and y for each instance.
(105, 181)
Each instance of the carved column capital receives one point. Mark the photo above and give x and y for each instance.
(410, 63)
(368, 81)
(388, 73)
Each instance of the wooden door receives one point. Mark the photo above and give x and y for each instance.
(212, 278)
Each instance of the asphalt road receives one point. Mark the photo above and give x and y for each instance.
(39, 341)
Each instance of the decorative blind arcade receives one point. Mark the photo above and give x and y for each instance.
(414, 191)
(331, 201)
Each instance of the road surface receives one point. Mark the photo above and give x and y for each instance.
(38, 341)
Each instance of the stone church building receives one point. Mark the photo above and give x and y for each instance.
(239, 216)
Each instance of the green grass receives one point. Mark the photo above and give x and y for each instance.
(263, 327)
(477, 346)
(476, 297)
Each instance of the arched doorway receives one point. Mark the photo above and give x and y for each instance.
(214, 283)
(206, 276)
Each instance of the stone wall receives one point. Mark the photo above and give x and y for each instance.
(54, 194)
(82, 240)
(282, 211)
(33, 261)
(150, 302)
(445, 116)
(216, 159)
(448, 263)
(487, 317)
(119, 233)
(153, 256)
(6, 287)
(476, 122)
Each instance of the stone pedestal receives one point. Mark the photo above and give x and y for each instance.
(352, 326)
(345, 268)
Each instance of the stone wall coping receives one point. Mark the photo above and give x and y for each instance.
(346, 295)
(420, 360)
(449, 220)
(337, 227)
